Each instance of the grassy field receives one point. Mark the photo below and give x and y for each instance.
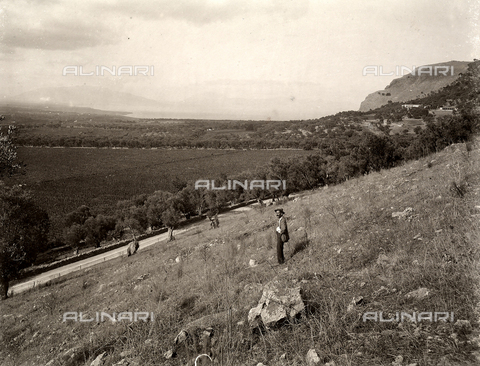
(63, 179)
(346, 242)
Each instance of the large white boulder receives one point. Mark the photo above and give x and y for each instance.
(278, 302)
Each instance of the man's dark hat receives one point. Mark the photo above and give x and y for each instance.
(280, 209)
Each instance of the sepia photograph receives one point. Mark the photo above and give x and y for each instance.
(239, 183)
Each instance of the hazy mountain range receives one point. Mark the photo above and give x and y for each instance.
(87, 96)
(401, 89)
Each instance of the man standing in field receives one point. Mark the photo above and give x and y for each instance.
(282, 234)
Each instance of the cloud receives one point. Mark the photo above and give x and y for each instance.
(53, 26)
(206, 11)
(58, 35)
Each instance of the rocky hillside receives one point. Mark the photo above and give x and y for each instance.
(410, 86)
(397, 241)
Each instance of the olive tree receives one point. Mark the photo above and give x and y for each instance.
(172, 215)
(23, 233)
(8, 153)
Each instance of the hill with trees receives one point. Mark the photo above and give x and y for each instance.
(346, 148)
(415, 82)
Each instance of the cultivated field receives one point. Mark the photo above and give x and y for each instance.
(63, 179)
(361, 246)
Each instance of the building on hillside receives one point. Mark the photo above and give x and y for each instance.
(447, 108)
(408, 106)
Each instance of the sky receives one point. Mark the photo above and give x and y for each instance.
(235, 59)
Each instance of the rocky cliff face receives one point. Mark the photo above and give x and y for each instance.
(410, 86)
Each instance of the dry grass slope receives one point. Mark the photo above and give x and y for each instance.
(344, 244)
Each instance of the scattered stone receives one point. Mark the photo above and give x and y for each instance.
(356, 301)
(463, 327)
(208, 332)
(252, 263)
(448, 258)
(300, 228)
(123, 362)
(418, 294)
(283, 357)
(138, 287)
(405, 214)
(143, 276)
(207, 321)
(68, 355)
(253, 287)
(381, 291)
(384, 261)
(398, 361)
(99, 360)
(181, 337)
(178, 259)
(312, 358)
(126, 353)
(278, 302)
(169, 354)
(253, 315)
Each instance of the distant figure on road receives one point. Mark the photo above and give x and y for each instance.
(282, 234)
(214, 223)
